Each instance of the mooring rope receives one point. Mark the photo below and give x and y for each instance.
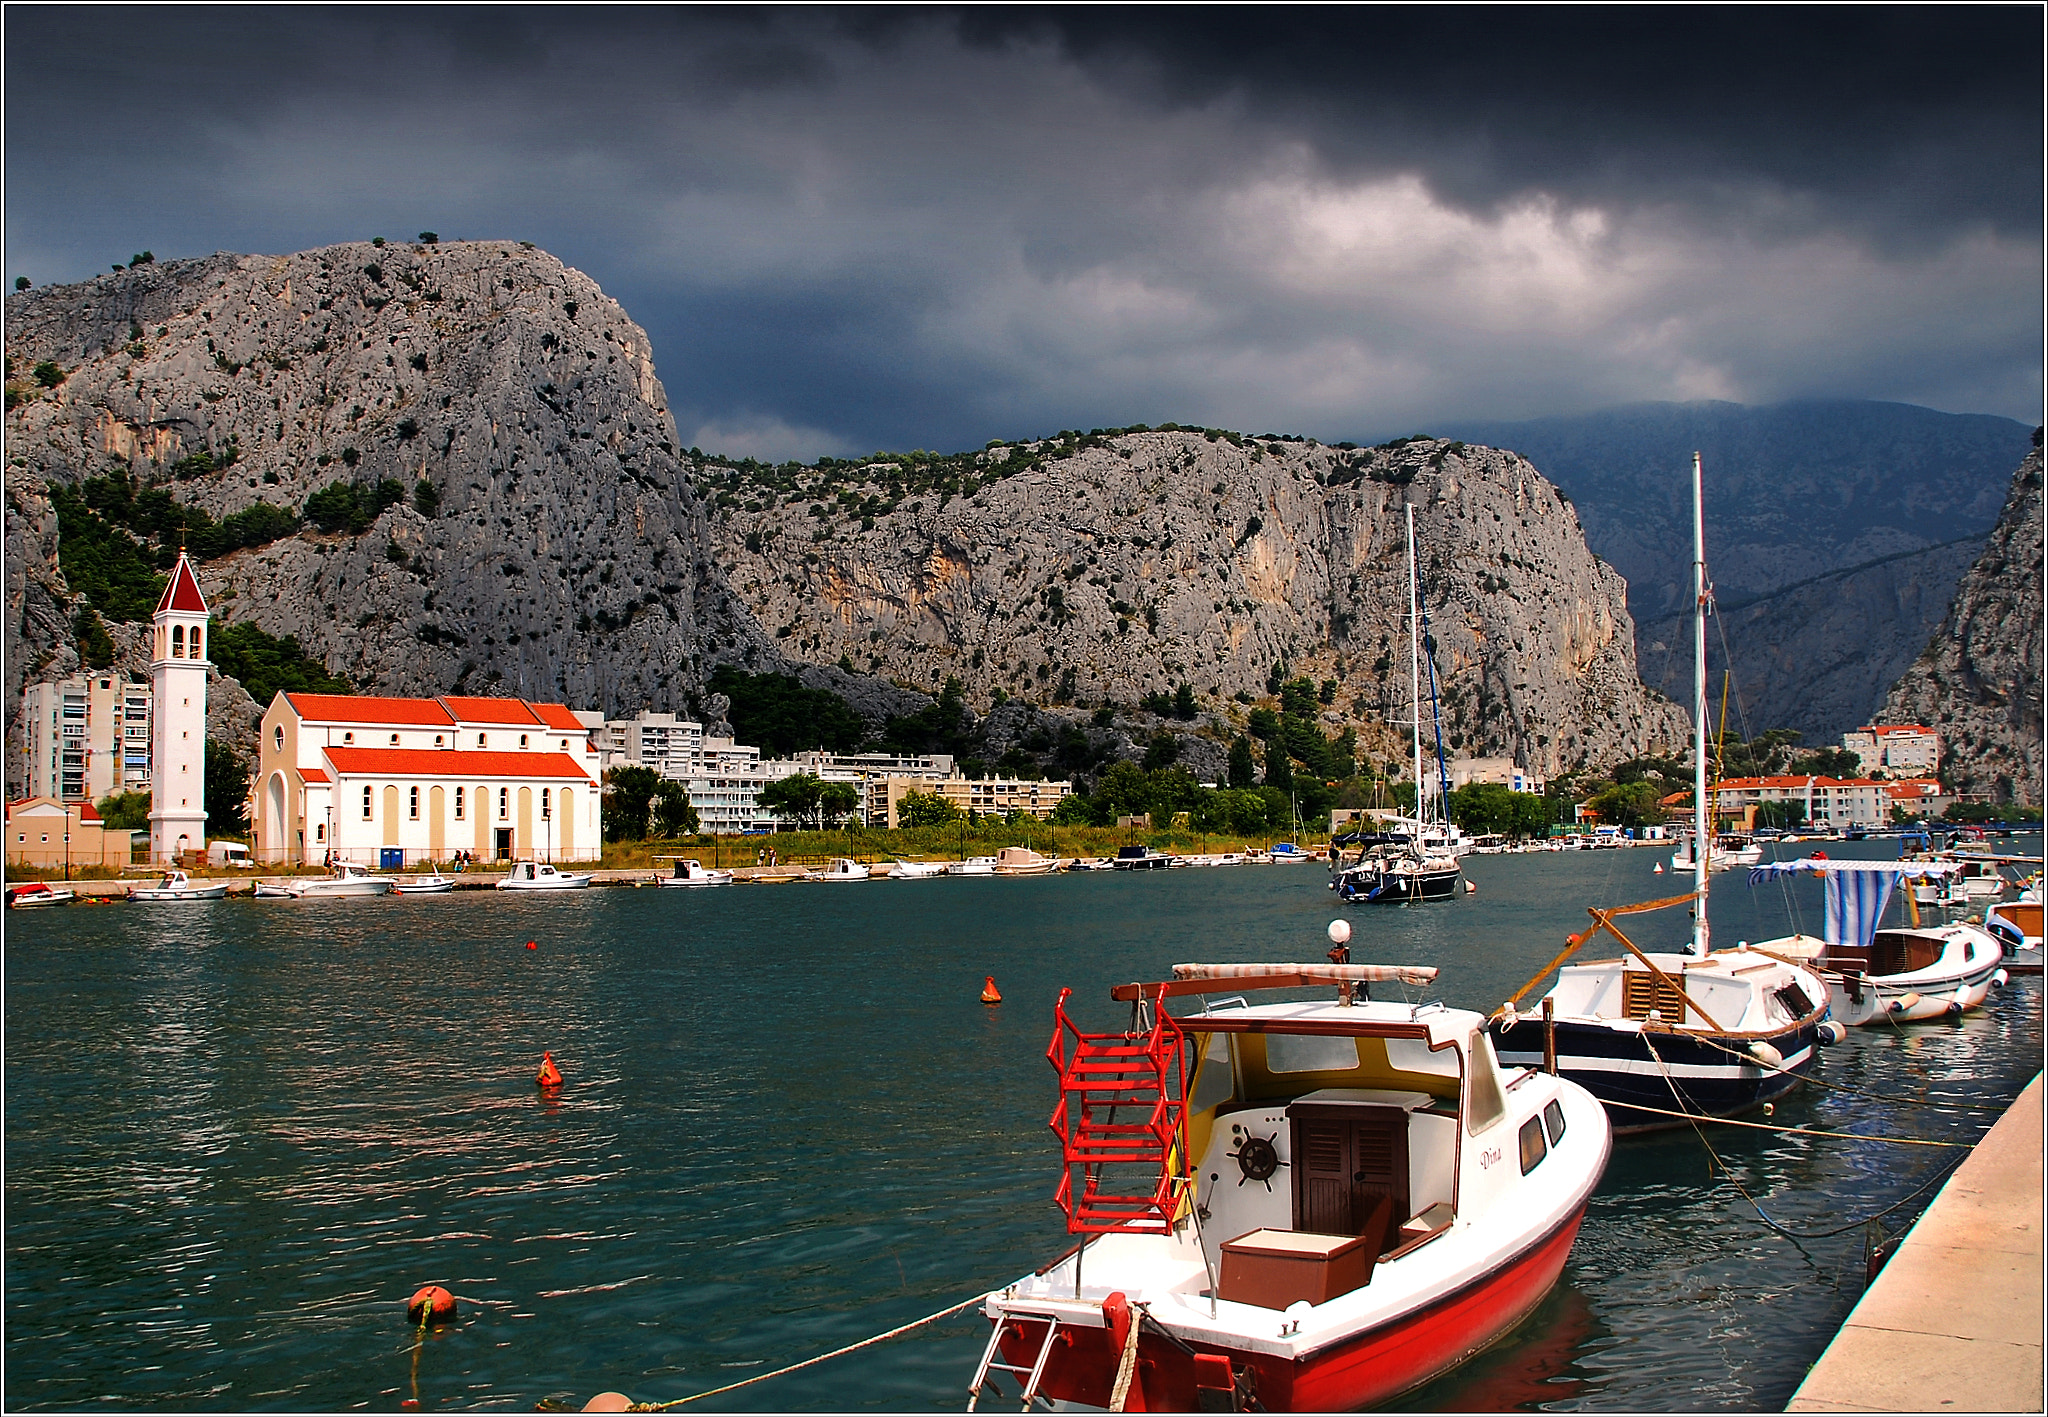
(810, 1362)
(1811, 1081)
(1761, 1213)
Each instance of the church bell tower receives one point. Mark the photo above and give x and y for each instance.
(177, 730)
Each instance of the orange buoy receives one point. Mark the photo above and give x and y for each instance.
(531, 945)
(549, 1075)
(609, 1402)
(989, 993)
(432, 1305)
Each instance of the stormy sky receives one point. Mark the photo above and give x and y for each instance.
(848, 229)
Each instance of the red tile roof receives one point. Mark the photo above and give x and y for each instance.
(315, 775)
(448, 762)
(182, 593)
(370, 708)
(558, 716)
(1880, 729)
(1744, 783)
(471, 709)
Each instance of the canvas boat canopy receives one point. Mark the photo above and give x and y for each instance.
(1857, 891)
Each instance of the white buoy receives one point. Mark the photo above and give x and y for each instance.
(1658, 869)
(1340, 932)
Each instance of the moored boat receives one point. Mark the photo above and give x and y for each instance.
(1374, 1199)
(689, 871)
(902, 870)
(1140, 858)
(540, 876)
(433, 883)
(1873, 975)
(2017, 926)
(36, 894)
(176, 885)
(1661, 1036)
(842, 868)
(1023, 861)
(346, 879)
(973, 866)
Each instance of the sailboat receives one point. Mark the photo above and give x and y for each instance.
(1425, 866)
(1659, 1036)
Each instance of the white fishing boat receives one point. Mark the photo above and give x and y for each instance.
(901, 870)
(690, 872)
(2017, 926)
(1659, 1036)
(1726, 854)
(36, 894)
(433, 883)
(176, 885)
(1023, 861)
(346, 879)
(1140, 858)
(842, 868)
(972, 866)
(540, 876)
(1920, 971)
(1289, 1205)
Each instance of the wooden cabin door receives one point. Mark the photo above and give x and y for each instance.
(1347, 1158)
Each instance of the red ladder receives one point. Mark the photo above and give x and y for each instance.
(1142, 1075)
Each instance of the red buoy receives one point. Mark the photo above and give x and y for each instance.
(531, 945)
(432, 1305)
(989, 993)
(549, 1075)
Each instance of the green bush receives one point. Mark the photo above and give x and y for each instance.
(49, 373)
(266, 664)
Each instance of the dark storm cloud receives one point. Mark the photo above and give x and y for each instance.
(856, 228)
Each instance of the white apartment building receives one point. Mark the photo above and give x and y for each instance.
(395, 782)
(1896, 749)
(725, 778)
(83, 738)
(1463, 772)
(1833, 803)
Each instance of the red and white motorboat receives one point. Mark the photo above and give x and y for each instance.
(1373, 1199)
(38, 893)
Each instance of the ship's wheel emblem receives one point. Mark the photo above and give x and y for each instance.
(1257, 1158)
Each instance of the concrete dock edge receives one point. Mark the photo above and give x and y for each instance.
(1953, 1321)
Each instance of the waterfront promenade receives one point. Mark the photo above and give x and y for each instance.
(1953, 1321)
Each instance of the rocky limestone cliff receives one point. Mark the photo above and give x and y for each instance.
(567, 548)
(1979, 682)
(1117, 566)
(504, 379)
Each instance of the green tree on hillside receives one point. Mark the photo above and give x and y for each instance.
(227, 790)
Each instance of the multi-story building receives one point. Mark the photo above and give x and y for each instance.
(1896, 749)
(393, 781)
(1465, 771)
(45, 832)
(83, 738)
(725, 778)
(995, 796)
(1833, 803)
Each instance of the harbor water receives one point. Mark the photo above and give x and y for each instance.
(240, 1133)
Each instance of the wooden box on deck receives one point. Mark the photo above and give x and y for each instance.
(1275, 1268)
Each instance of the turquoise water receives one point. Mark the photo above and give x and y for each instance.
(239, 1134)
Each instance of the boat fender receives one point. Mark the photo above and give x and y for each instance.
(609, 1402)
(1957, 1004)
(549, 1075)
(431, 1305)
(1767, 1055)
(1998, 978)
(1831, 1032)
(1471, 888)
(1902, 1003)
(989, 993)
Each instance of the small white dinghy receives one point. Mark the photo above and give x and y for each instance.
(691, 872)
(973, 866)
(915, 870)
(843, 868)
(540, 876)
(433, 883)
(176, 885)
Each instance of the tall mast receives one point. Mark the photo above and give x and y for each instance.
(1702, 843)
(1415, 671)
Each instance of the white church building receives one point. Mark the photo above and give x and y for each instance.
(393, 782)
